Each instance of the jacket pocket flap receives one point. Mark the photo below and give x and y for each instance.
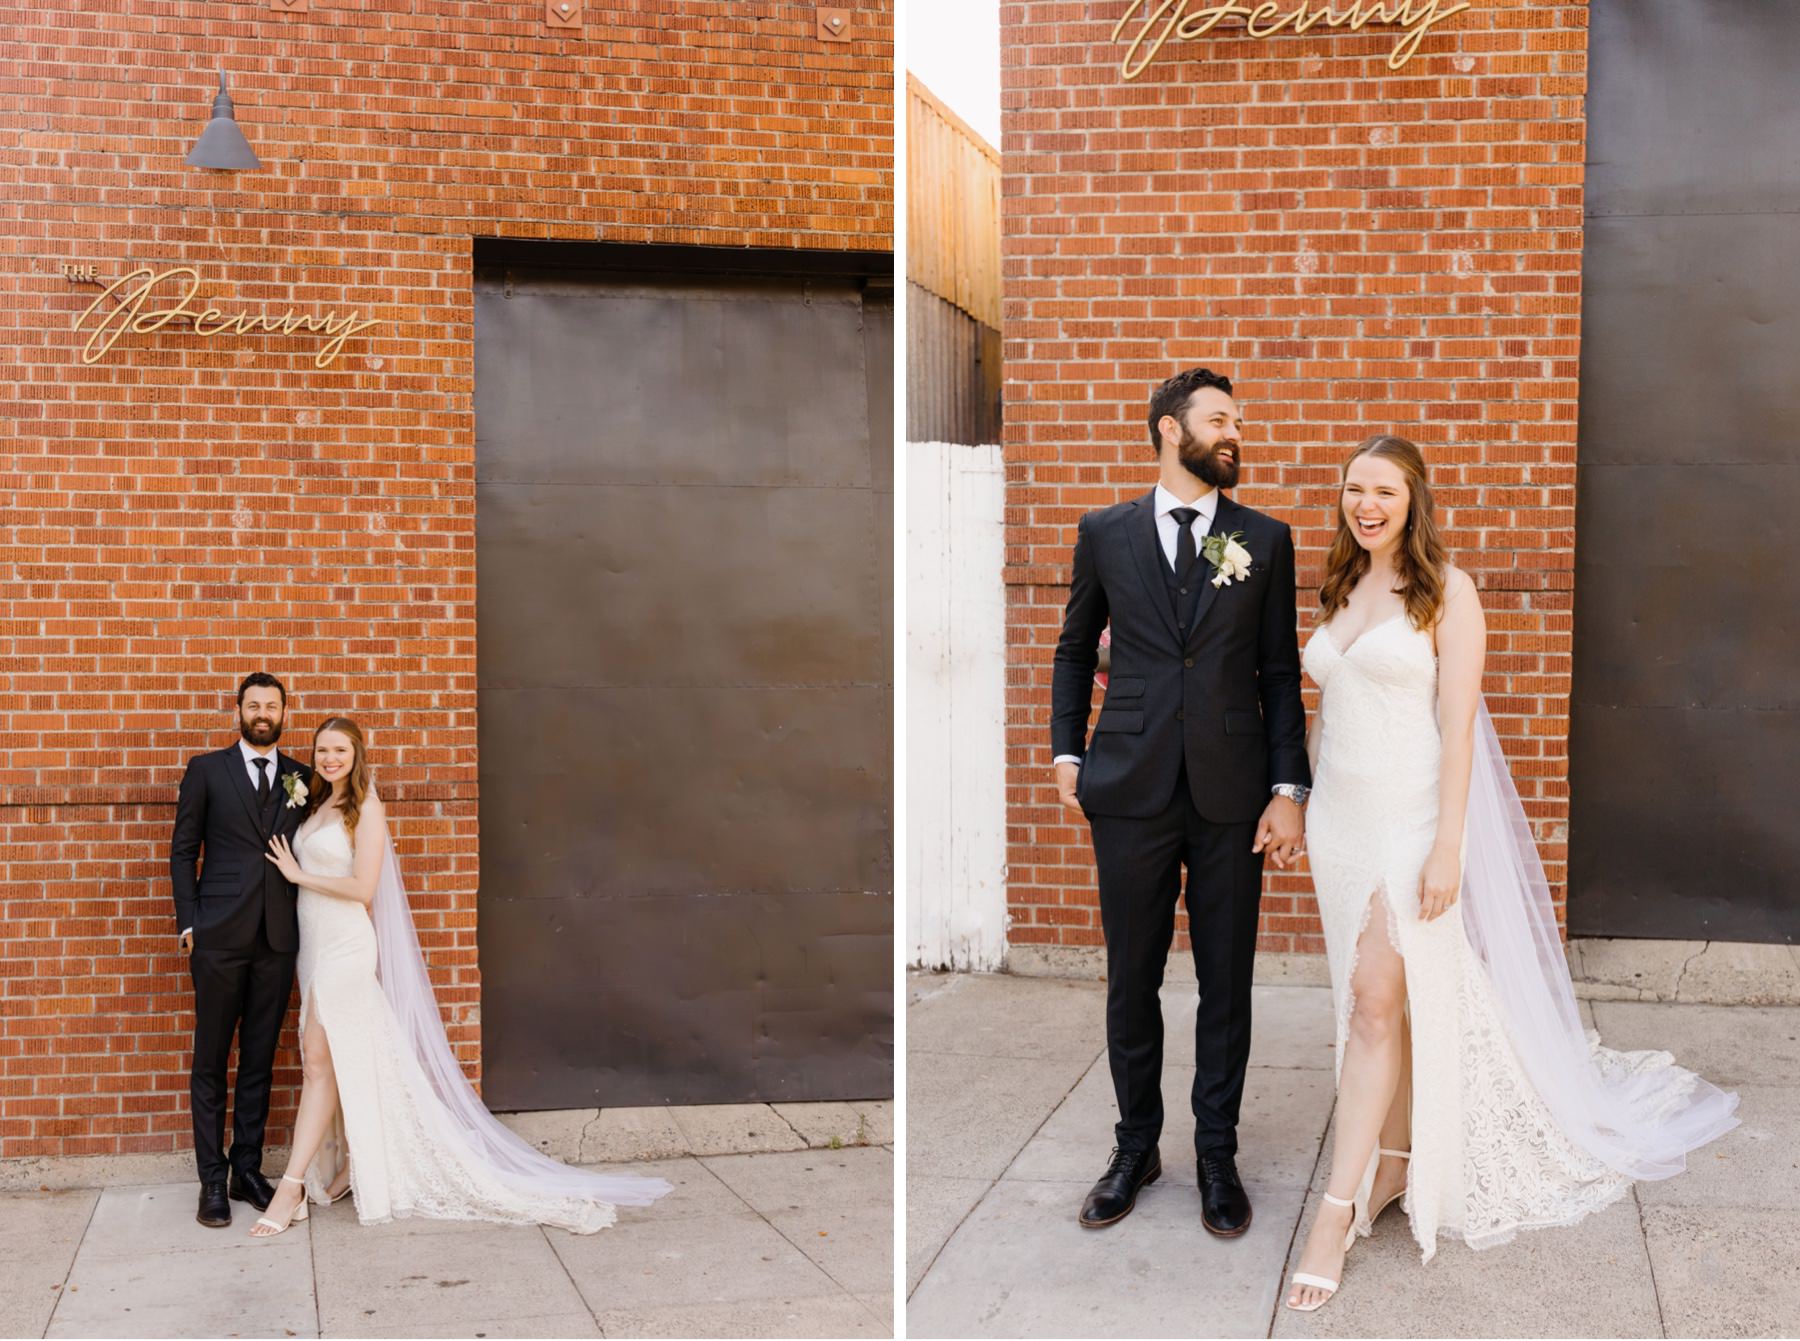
(1125, 686)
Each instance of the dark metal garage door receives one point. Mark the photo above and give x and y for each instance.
(684, 540)
(1687, 596)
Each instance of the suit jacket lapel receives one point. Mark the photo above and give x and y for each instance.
(1146, 551)
(240, 779)
(1221, 525)
(287, 768)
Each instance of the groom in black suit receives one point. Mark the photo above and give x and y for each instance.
(1198, 759)
(241, 936)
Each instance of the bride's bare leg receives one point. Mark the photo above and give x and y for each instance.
(1367, 1084)
(1396, 1132)
(318, 1102)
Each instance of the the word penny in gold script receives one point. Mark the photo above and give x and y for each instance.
(176, 288)
(1182, 20)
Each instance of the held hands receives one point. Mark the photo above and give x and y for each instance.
(1067, 775)
(283, 856)
(1281, 832)
(1439, 882)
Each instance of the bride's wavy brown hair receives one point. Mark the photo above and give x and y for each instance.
(1422, 560)
(356, 786)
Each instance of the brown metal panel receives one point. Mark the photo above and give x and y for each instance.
(768, 1014)
(684, 502)
(1686, 716)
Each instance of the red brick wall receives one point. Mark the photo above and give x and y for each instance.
(1362, 251)
(187, 510)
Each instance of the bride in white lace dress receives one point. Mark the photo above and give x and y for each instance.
(384, 1104)
(1466, 1082)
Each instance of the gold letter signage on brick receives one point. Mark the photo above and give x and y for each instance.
(180, 284)
(1185, 22)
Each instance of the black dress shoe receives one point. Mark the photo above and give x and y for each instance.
(1112, 1198)
(215, 1210)
(1224, 1205)
(249, 1185)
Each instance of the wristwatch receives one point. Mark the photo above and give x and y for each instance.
(1293, 791)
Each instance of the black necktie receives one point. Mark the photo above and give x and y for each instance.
(1186, 581)
(262, 780)
(1184, 539)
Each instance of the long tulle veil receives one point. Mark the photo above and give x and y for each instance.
(515, 1163)
(1634, 1116)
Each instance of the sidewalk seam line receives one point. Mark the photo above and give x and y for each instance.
(312, 1259)
(808, 1257)
(544, 1233)
(1300, 1218)
(995, 1181)
(63, 1293)
(1649, 1261)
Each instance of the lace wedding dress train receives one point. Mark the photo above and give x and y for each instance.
(1519, 1118)
(418, 1139)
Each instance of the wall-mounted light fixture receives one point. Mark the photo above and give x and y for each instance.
(222, 144)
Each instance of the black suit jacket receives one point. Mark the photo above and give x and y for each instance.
(1228, 697)
(217, 810)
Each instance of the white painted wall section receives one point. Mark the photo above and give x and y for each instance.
(956, 707)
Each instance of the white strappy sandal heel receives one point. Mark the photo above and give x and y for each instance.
(331, 1200)
(1398, 1154)
(1320, 1282)
(299, 1213)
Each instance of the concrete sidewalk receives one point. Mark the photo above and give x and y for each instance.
(792, 1239)
(1009, 1119)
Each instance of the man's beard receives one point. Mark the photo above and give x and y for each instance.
(260, 733)
(1208, 466)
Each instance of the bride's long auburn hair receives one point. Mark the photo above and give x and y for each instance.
(356, 786)
(1422, 560)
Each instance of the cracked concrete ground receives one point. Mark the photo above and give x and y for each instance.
(781, 1224)
(1009, 1119)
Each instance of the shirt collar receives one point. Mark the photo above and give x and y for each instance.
(1207, 505)
(273, 756)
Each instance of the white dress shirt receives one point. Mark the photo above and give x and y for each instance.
(1168, 530)
(250, 754)
(271, 771)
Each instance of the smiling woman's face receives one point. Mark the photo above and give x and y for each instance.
(333, 755)
(1376, 501)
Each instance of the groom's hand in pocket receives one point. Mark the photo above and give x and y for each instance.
(1067, 775)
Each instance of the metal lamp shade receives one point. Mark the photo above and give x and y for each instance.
(222, 144)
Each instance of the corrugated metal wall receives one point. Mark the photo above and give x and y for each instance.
(953, 276)
(952, 373)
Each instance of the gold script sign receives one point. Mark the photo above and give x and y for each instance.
(180, 284)
(1179, 19)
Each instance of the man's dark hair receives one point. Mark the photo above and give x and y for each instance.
(1173, 395)
(261, 680)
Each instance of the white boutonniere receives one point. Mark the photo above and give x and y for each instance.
(295, 786)
(1230, 560)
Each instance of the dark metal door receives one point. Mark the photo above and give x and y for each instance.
(684, 540)
(1686, 716)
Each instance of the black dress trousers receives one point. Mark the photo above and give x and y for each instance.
(1139, 864)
